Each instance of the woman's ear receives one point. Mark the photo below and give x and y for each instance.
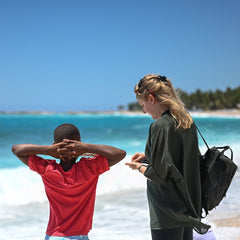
(152, 98)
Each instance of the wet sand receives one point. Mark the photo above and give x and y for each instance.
(226, 227)
(233, 221)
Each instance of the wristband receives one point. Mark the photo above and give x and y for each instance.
(140, 167)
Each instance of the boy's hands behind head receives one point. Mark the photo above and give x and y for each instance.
(53, 150)
(71, 149)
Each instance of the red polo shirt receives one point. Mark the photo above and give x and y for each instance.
(71, 194)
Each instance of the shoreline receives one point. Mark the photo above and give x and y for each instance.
(217, 113)
(231, 221)
(224, 218)
(213, 113)
(227, 227)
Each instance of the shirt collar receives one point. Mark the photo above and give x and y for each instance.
(166, 112)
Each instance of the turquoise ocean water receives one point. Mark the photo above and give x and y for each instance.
(121, 210)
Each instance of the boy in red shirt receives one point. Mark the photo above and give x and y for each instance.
(70, 186)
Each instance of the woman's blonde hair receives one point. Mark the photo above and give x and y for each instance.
(162, 89)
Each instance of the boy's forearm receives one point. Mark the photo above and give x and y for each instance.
(30, 149)
(23, 151)
(113, 154)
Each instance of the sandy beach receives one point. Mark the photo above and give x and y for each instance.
(225, 112)
(226, 227)
(233, 221)
(213, 113)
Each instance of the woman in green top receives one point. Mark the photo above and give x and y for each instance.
(173, 163)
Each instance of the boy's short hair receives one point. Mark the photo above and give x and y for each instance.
(66, 131)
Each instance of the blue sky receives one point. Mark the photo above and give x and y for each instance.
(65, 55)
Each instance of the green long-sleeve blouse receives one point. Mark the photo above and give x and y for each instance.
(173, 172)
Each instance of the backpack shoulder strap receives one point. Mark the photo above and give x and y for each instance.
(202, 137)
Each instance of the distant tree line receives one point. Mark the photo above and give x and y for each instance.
(205, 100)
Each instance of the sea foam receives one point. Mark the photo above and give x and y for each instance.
(21, 186)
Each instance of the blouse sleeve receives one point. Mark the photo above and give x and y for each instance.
(162, 146)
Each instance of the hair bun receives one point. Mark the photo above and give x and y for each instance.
(162, 78)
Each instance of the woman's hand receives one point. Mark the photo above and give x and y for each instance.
(136, 163)
(133, 165)
(137, 157)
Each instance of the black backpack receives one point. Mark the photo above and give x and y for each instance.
(217, 171)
